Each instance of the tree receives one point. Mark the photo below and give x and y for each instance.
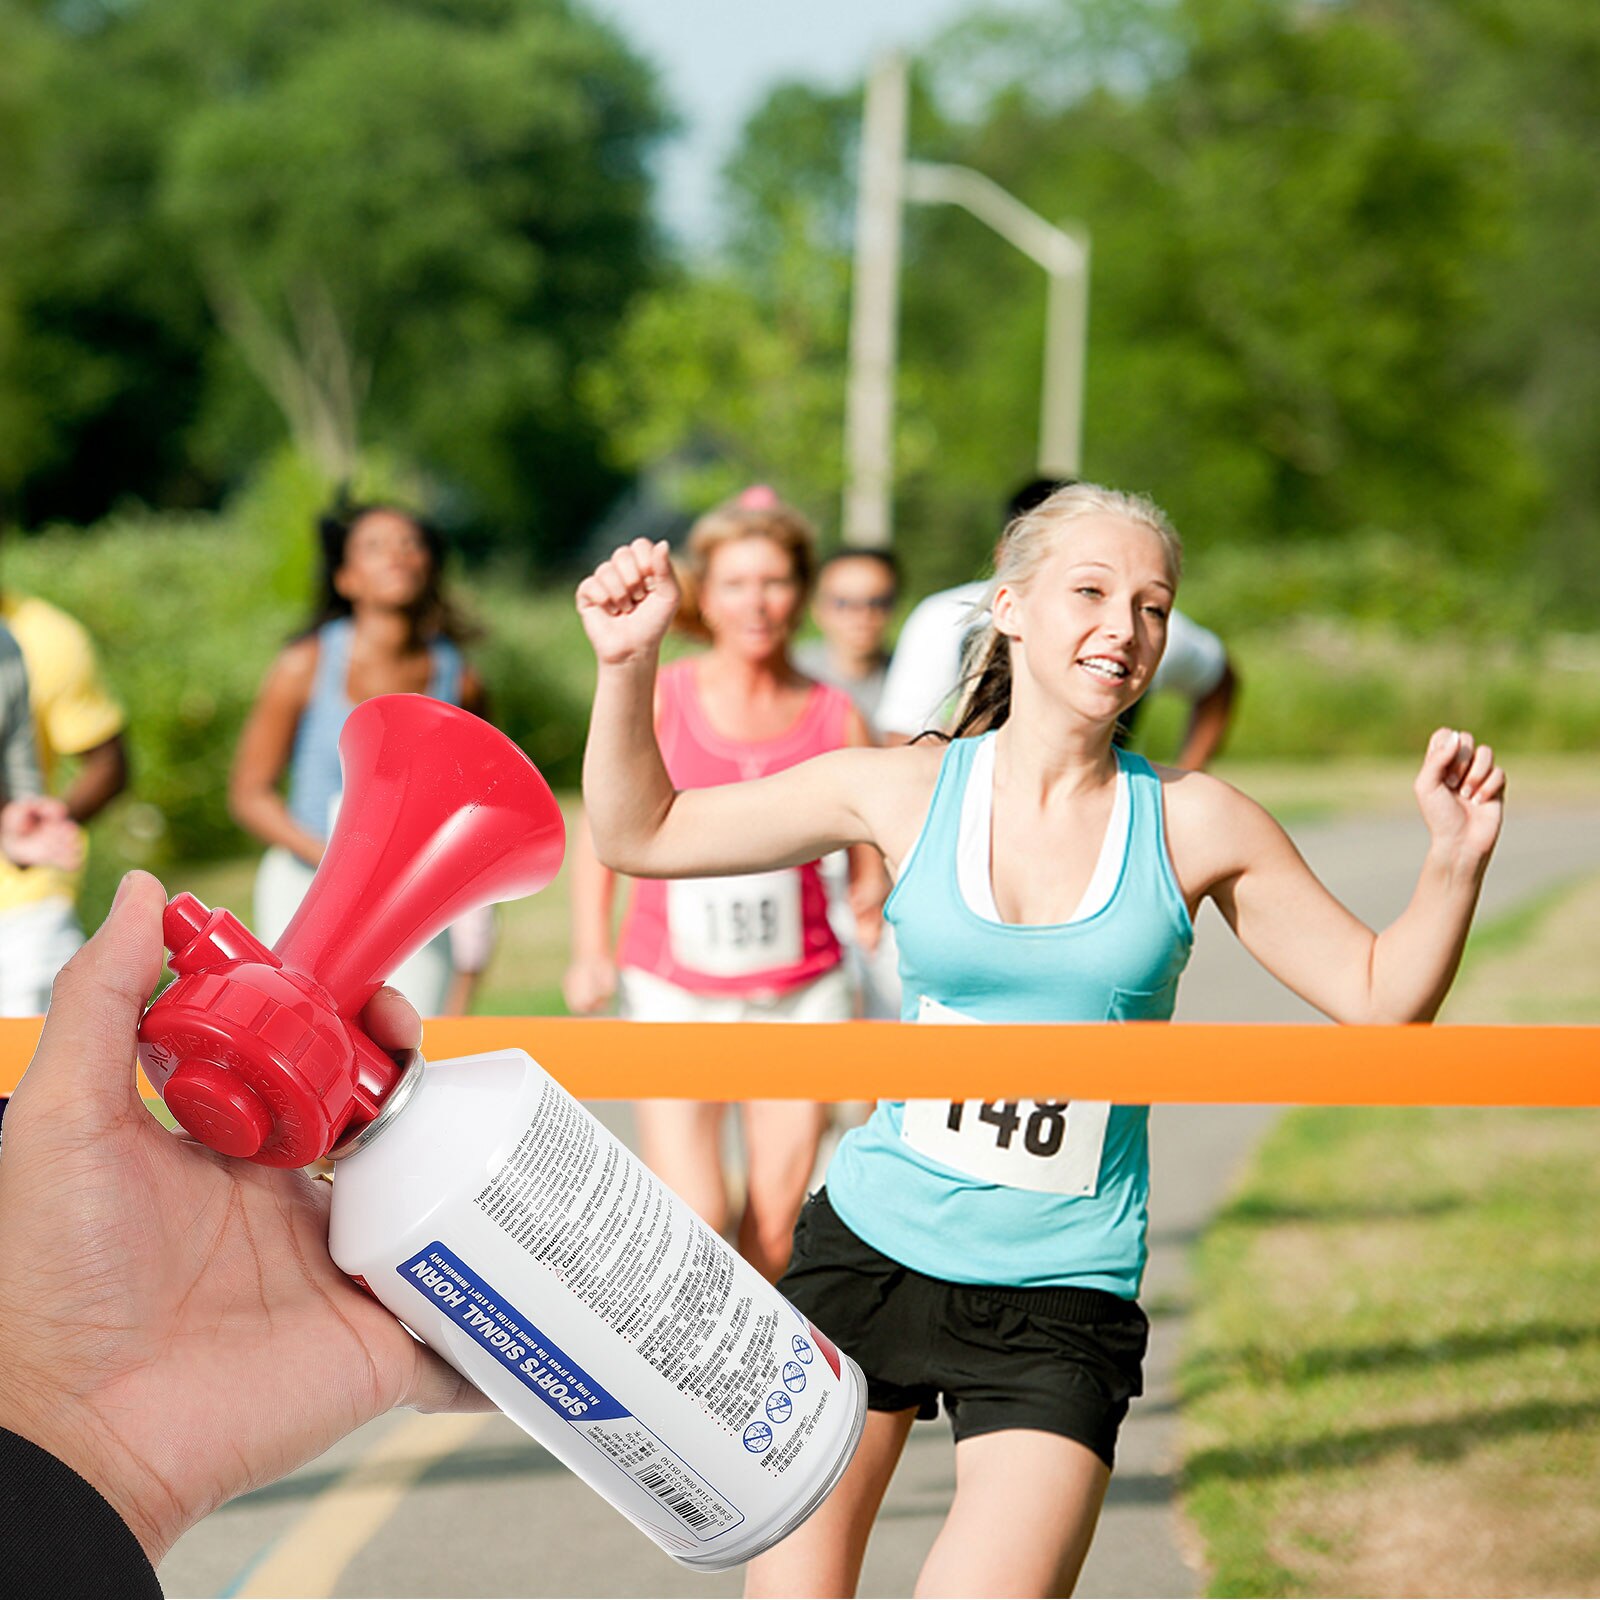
(409, 221)
(1293, 224)
(1283, 303)
(734, 373)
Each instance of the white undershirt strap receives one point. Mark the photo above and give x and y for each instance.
(972, 843)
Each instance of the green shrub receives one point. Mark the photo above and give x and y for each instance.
(187, 614)
(1411, 587)
(183, 613)
(539, 671)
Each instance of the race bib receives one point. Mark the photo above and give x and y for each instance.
(1052, 1146)
(735, 927)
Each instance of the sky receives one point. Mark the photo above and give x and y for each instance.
(718, 58)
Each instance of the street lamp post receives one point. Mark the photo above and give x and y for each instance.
(874, 311)
(888, 181)
(1065, 257)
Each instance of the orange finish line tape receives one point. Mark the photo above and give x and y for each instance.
(1149, 1063)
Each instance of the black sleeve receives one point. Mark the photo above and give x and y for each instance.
(61, 1540)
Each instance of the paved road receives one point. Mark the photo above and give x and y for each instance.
(447, 1506)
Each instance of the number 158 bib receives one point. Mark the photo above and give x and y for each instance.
(1052, 1146)
(736, 927)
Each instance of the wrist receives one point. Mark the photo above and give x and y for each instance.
(1459, 867)
(63, 1427)
(641, 660)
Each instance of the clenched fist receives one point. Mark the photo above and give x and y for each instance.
(627, 603)
(1462, 794)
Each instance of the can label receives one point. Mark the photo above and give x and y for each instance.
(663, 1369)
(622, 1244)
(546, 1371)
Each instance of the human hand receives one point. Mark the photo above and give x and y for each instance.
(171, 1324)
(38, 831)
(588, 983)
(628, 602)
(1462, 795)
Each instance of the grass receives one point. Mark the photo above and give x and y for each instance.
(1393, 1379)
(524, 977)
(1548, 972)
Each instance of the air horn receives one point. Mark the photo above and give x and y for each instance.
(258, 1052)
(475, 1198)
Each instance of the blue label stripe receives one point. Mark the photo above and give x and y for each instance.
(479, 1309)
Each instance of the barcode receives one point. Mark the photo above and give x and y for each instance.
(665, 1489)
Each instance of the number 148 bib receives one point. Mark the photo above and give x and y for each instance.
(1052, 1146)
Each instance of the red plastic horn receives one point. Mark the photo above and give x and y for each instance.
(257, 1052)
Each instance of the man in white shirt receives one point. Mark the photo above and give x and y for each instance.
(926, 671)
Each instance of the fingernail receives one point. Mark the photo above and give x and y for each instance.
(122, 889)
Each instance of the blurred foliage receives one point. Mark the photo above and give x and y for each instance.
(401, 220)
(1408, 586)
(1345, 321)
(1346, 275)
(1342, 650)
(1346, 270)
(186, 618)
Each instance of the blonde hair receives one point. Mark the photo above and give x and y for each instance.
(756, 514)
(1024, 547)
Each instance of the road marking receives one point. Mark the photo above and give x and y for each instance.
(311, 1557)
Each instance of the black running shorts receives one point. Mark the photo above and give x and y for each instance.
(1063, 1360)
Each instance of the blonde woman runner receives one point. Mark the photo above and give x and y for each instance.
(989, 1255)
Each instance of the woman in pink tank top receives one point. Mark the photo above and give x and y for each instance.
(756, 948)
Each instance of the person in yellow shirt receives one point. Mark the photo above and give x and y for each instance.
(73, 717)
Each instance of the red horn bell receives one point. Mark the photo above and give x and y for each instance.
(257, 1052)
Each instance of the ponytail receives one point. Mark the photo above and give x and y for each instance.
(986, 688)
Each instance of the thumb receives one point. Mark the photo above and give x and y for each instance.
(86, 1051)
(1441, 752)
(436, 1386)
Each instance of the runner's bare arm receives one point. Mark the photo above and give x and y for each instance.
(641, 825)
(590, 979)
(265, 746)
(644, 827)
(1283, 915)
(869, 882)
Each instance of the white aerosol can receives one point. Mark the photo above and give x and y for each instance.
(503, 1224)
(475, 1198)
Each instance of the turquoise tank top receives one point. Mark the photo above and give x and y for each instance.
(1020, 1194)
(314, 776)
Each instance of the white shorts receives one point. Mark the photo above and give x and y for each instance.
(643, 997)
(281, 884)
(36, 942)
(875, 977)
(472, 940)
